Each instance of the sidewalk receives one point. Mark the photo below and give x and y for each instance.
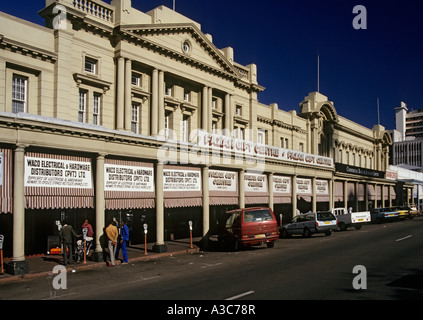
(42, 265)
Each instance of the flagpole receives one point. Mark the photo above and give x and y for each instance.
(173, 5)
(378, 113)
(318, 72)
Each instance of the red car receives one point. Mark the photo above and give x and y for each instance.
(249, 227)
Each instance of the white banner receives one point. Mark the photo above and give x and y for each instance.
(222, 180)
(261, 151)
(56, 173)
(303, 186)
(128, 178)
(255, 182)
(322, 187)
(181, 180)
(282, 184)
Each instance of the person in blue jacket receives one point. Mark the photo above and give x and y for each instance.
(124, 239)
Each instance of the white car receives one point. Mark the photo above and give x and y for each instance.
(309, 223)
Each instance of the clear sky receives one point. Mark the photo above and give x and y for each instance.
(283, 38)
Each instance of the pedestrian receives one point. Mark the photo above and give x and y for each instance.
(90, 232)
(68, 234)
(112, 234)
(124, 239)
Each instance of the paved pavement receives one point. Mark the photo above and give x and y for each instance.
(40, 265)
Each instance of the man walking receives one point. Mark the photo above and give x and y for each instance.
(67, 233)
(112, 234)
(124, 239)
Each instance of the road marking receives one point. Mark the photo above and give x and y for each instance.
(207, 265)
(407, 237)
(241, 295)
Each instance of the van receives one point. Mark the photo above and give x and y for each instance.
(310, 223)
(249, 227)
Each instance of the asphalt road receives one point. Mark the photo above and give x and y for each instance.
(316, 268)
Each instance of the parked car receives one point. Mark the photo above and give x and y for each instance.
(413, 211)
(249, 227)
(402, 212)
(309, 224)
(350, 219)
(383, 214)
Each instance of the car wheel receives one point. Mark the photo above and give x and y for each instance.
(284, 234)
(306, 233)
(342, 226)
(235, 245)
(270, 244)
(358, 226)
(328, 233)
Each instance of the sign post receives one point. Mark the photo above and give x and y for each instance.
(84, 234)
(190, 232)
(145, 238)
(1, 252)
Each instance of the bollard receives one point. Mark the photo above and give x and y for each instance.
(84, 233)
(190, 232)
(145, 238)
(1, 253)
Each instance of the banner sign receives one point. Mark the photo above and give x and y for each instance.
(303, 186)
(222, 180)
(128, 178)
(181, 180)
(282, 185)
(255, 182)
(322, 187)
(56, 173)
(248, 148)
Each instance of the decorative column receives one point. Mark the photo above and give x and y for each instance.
(313, 192)
(161, 106)
(159, 246)
(294, 196)
(228, 115)
(242, 189)
(128, 97)
(120, 93)
(206, 201)
(270, 186)
(18, 265)
(100, 206)
(154, 102)
(205, 109)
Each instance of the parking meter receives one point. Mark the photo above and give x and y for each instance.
(190, 232)
(145, 228)
(145, 238)
(84, 233)
(190, 225)
(1, 241)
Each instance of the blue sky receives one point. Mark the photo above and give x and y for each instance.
(283, 38)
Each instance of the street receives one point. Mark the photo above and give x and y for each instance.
(316, 268)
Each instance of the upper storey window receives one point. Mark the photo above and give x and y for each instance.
(19, 93)
(90, 65)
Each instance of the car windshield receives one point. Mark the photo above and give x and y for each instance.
(325, 216)
(257, 215)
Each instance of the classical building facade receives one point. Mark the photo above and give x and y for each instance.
(109, 112)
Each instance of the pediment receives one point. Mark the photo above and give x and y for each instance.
(170, 39)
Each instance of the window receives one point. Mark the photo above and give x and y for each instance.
(167, 124)
(185, 128)
(239, 133)
(187, 95)
(135, 118)
(90, 65)
(301, 147)
(96, 108)
(19, 93)
(214, 127)
(168, 90)
(238, 110)
(261, 136)
(214, 103)
(136, 79)
(82, 106)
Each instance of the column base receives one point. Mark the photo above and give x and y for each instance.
(98, 256)
(17, 268)
(159, 248)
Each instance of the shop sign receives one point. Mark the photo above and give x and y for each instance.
(128, 178)
(222, 180)
(57, 173)
(282, 185)
(254, 182)
(340, 167)
(303, 186)
(322, 187)
(181, 180)
(260, 151)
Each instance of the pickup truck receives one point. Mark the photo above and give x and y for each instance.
(353, 219)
